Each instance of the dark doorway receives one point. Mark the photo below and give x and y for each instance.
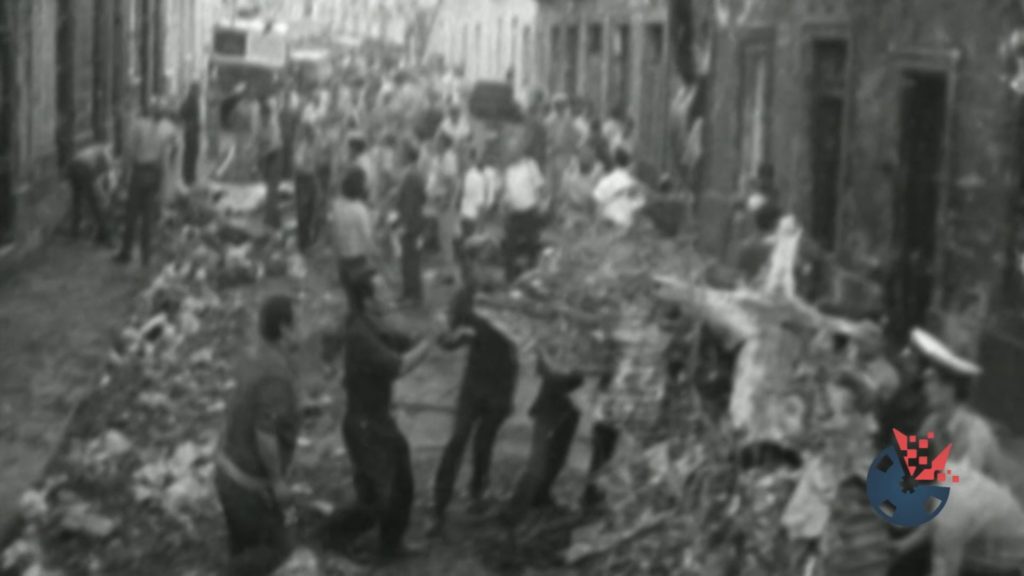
(828, 108)
(572, 53)
(65, 81)
(556, 58)
(621, 79)
(923, 128)
(7, 84)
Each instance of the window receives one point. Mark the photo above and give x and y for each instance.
(572, 51)
(827, 111)
(556, 57)
(478, 48)
(755, 114)
(656, 43)
(308, 8)
(527, 56)
(499, 52)
(513, 51)
(595, 39)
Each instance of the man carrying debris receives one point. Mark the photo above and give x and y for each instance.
(487, 392)
(87, 172)
(146, 159)
(524, 202)
(375, 356)
(256, 449)
(555, 418)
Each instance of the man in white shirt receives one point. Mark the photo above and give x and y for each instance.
(524, 204)
(617, 195)
(478, 191)
(147, 155)
(351, 228)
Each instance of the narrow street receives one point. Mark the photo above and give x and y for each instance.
(721, 287)
(60, 314)
(157, 404)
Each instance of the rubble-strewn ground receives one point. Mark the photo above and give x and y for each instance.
(130, 493)
(58, 315)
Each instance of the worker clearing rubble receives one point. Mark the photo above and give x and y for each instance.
(256, 450)
(376, 355)
(555, 419)
(980, 532)
(487, 391)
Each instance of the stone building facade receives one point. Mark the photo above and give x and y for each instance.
(490, 39)
(894, 136)
(72, 72)
(616, 55)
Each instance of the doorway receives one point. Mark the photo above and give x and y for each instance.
(922, 122)
(619, 97)
(7, 84)
(828, 110)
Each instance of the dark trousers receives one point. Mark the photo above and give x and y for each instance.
(604, 438)
(270, 169)
(348, 270)
(477, 419)
(382, 470)
(257, 539)
(143, 192)
(190, 162)
(323, 173)
(83, 191)
(306, 197)
(412, 271)
(522, 242)
(553, 433)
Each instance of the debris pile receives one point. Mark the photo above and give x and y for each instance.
(752, 488)
(138, 468)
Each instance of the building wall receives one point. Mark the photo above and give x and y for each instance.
(489, 38)
(629, 67)
(102, 62)
(886, 39)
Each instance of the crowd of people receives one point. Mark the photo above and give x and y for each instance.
(388, 168)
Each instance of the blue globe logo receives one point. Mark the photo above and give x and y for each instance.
(897, 497)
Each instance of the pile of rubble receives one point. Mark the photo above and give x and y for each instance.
(137, 467)
(755, 486)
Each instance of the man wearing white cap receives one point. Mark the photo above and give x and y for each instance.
(980, 532)
(947, 383)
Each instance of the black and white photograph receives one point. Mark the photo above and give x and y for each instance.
(511, 287)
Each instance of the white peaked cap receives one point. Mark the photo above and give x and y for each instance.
(940, 354)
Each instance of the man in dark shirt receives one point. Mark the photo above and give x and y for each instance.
(376, 356)
(85, 173)
(412, 197)
(555, 418)
(487, 391)
(256, 450)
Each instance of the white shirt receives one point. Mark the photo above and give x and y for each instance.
(979, 511)
(617, 197)
(458, 131)
(477, 193)
(351, 228)
(523, 183)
